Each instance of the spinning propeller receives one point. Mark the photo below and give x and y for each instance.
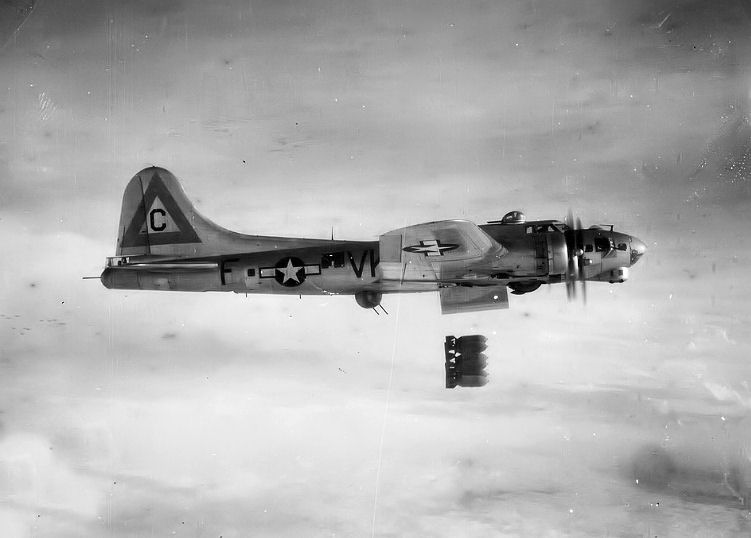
(576, 261)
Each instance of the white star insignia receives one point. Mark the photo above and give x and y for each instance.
(290, 272)
(430, 247)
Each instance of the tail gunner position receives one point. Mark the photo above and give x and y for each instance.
(165, 244)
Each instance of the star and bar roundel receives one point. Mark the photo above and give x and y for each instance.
(290, 271)
(430, 247)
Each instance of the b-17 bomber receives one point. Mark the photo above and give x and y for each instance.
(164, 243)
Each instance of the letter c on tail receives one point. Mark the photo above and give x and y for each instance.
(152, 220)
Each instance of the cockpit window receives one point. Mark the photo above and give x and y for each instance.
(542, 228)
(602, 244)
(588, 248)
(622, 246)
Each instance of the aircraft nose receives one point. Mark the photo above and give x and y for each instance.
(638, 249)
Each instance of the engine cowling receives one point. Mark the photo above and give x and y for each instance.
(368, 299)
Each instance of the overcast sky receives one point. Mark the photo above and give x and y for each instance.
(150, 414)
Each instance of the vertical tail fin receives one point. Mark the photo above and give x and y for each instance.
(158, 219)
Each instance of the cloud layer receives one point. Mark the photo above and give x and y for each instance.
(213, 415)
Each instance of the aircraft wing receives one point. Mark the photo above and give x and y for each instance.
(442, 251)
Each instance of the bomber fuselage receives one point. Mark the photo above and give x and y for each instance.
(164, 243)
(536, 254)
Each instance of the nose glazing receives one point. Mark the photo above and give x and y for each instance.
(638, 249)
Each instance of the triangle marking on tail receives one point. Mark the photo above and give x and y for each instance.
(164, 223)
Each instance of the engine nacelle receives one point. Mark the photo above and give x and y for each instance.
(368, 299)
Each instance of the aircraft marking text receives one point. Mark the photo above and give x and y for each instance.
(152, 220)
(359, 269)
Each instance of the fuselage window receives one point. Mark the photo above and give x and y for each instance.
(335, 259)
(251, 272)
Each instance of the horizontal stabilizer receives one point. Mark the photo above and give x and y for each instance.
(164, 266)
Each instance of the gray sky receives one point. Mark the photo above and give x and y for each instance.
(140, 414)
